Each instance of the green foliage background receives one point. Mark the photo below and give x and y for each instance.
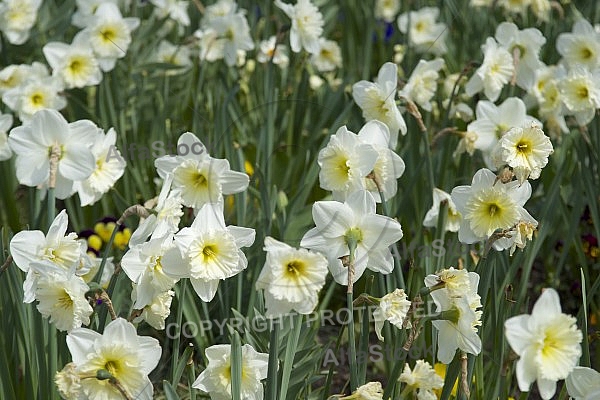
(275, 121)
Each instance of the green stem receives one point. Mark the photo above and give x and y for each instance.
(398, 367)
(177, 339)
(273, 364)
(350, 300)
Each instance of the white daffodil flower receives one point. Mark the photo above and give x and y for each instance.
(422, 84)
(216, 378)
(453, 217)
(546, 90)
(68, 382)
(27, 247)
(548, 343)
(388, 165)
(15, 75)
(307, 25)
(460, 300)
(225, 38)
(269, 50)
(387, 10)
(168, 209)
(426, 34)
(377, 100)
(581, 46)
(38, 92)
(75, 64)
(524, 45)
(496, 71)
(368, 391)
(456, 282)
(118, 354)
(355, 219)
(108, 169)
(6, 121)
(422, 379)
(33, 144)
(174, 9)
(393, 307)
(208, 251)
(156, 312)
(291, 278)
(344, 163)
(580, 92)
(541, 9)
(61, 296)
(583, 384)
(329, 56)
(492, 122)
(169, 53)
(489, 205)
(109, 34)
(514, 7)
(199, 178)
(525, 150)
(143, 264)
(84, 13)
(17, 17)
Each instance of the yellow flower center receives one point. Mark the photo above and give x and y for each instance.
(108, 34)
(582, 92)
(209, 252)
(113, 367)
(524, 147)
(586, 53)
(294, 268)
(200, 180)
(491, 209)
(37, 99)
(64, 301)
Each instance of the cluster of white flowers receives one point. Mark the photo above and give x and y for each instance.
(360, 172)
(57, 268)
(27, 89)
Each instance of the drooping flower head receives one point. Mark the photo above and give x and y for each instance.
(393, 307)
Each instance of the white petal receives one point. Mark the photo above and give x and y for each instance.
(206, 290)
(80, 342)
(517, 333)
